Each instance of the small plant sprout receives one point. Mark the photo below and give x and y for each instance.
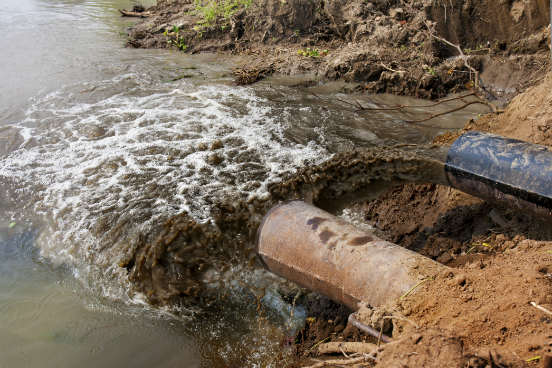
(312, 53)
(174, 38)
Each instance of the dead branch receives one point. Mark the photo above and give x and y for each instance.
(477, 83)
(401, 107)
(346, 347)
(542, 309)
(460, 54)
(369, 330)
(363, 359)
(128, 13)
(391, 70)
(479, 100)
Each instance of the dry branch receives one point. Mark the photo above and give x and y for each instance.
(460, 54)
(401, 107)
(367, 329)
(128, 13)
(346, 347)
(433, 116)
(542, 309)
(342, 362)
(391, 70)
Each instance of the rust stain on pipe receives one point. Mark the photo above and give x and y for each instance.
(327, 254)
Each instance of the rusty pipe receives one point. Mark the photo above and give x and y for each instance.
(328, 255)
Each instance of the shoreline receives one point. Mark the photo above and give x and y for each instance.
(384, 46)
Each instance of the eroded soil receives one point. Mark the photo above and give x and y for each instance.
(381, 45)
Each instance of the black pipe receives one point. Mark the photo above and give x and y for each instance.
(502, 170)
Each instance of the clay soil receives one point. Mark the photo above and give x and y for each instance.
(478, 313)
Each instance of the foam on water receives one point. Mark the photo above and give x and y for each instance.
(132, 151)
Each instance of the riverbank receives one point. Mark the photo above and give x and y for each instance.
(384, 46)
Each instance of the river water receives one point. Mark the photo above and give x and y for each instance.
(100, 144)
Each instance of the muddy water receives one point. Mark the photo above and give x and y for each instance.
(135, 177)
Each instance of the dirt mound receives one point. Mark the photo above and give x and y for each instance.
(437, 348)
(528, 117)
(486, 299)
(384, 45)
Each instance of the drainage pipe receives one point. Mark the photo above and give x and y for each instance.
(328, 255)
(502, 170)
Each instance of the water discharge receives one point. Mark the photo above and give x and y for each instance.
(133, 176)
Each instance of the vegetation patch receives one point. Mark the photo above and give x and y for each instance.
(313, 53)
(213, 12)
(174, 38)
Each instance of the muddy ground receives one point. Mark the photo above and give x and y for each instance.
(478, 314)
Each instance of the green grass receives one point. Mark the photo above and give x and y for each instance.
(213, 12)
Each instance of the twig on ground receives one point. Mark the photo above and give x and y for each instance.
(346, 347)
(343, 352)
(391, 70)
(542, 309)
(342, 362)
(380, 332)
(369, 330)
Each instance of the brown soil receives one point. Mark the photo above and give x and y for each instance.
(382, 45)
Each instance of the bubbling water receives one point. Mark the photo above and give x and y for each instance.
(122, 158)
